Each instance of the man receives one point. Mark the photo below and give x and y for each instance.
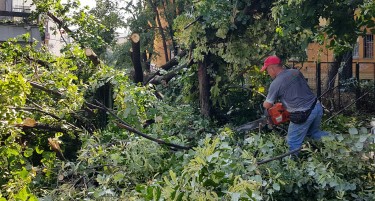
(290, 86)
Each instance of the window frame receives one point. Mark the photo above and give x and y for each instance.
(368, 46)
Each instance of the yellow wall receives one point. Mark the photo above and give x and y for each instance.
(319, 53)
(159, 59)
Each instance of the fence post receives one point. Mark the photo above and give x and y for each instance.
(339, 74)
(358, 89)
(318, 80)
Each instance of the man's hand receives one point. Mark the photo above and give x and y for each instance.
(267, 105)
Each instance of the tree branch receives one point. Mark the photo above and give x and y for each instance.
(47, 113)
(123, 124)
(280, 156)
(346, 107)
(60, 95)
(158, 79)
(43, 127)
(89, 53)
(169, 65)
(39, 86)
(193, 22)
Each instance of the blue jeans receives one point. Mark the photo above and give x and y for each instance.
(311, 128)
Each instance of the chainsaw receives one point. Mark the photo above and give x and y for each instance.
(275, 115)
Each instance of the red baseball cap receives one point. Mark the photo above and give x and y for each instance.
(270, 61)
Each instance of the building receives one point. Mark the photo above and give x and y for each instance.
(159, 59)
(14, 20)
(55, 39)
(319, 60)
(363, 61)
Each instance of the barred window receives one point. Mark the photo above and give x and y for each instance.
(356, 50)
(368, 46)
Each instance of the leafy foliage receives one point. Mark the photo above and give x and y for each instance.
(343, 21)
(50, 151)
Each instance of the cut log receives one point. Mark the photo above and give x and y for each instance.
(135, 38)
(136, 58)
(92, 56)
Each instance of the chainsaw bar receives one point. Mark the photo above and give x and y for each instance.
(259, 123)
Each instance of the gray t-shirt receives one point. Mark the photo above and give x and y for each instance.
(291, 88)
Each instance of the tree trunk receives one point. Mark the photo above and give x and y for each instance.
(330, 83)
(332, 72)
(204, 89)
(347, 71)
(136, 58)
(104, 94)
(146, 62)
(164, 41)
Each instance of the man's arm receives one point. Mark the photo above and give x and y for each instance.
(273, 93)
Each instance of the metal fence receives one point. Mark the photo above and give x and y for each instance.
(359, 90)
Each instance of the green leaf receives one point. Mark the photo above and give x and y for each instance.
(28, 152)
(235, 196)
(210, 182)
(173, 176)
(12, 152)
(359, 146)
(118, 176)
(339, 138)
(279, 31)
(38, 150)
(212, 156)
(22, 194)
(276, 186)
(363, 130)
(362, 138)
(140, 188)
(23, 173)
(222, 32)
(353, 131)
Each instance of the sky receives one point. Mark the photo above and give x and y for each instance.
(90, 3)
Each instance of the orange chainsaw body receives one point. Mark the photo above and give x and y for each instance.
(278, 114)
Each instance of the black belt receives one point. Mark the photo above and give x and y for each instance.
(300, 117)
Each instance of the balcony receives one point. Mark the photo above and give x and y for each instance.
(15, 11)
(16, 16)
(15, 20)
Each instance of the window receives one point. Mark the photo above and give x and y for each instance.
(356, 50)
(368, 46)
